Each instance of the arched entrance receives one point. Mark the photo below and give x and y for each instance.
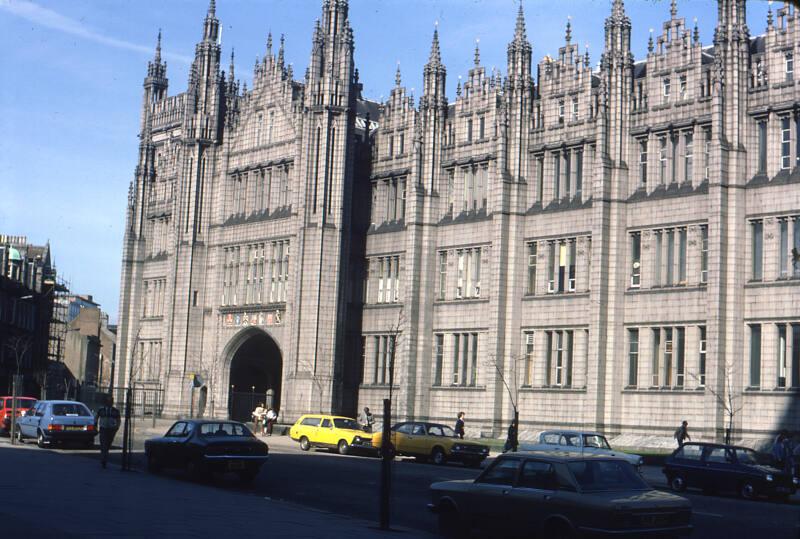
(256, 368)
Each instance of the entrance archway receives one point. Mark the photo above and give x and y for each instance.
(256, 368)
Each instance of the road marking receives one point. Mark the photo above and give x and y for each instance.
(707, 514)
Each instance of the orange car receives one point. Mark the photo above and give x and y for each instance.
(6, 407)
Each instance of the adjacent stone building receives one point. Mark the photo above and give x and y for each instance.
(613, 248)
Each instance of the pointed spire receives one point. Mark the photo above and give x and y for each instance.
(696, 35)
(230, 70)
(269, 44)
(157, 57)
(650, 42)
(436, 55)
(673, 8)
(586, 56)
(212, 8)
(618, 9)
(477, 52)
(519, 31)
(397, 79)
(569, 29)
(281, 51)
(458, 86)
(769, 15)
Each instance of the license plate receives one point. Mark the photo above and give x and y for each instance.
(73, 427)
(236, 465)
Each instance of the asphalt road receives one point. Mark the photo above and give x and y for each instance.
(349, 485)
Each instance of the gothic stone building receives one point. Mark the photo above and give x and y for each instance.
(611, 248)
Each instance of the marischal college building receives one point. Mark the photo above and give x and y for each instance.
(620, 246)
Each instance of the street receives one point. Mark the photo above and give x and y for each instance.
(348, 486)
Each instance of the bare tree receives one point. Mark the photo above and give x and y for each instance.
(509, 375)
(396, 333)
(729, 397)
(19, 346)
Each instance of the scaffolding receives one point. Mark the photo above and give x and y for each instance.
(57, 383)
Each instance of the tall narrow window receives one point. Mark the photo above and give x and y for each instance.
(682, 89)
(755, 355)
(390, 149)
(559, 357)
(636, 259)
(762, 147)
(643, 163)
(579, 174)
(795, 251)
(539, 178)
(473, 366)
(704, 254)
(551, 267)
(561, 111)
(451, 190)
(782, 366)
(548, 359)
(574, 109)
(659, 235)
(702, 357)
(680, 355)
(795, 355)
(442, 275)
(439, 359)
(633, 357)
(665, 86)
(706, 153)
(682, 256)
(556, 175)
(376, 363)
(567, 173)
(783, 247)
(662, 160)
(688, 159)
(668, 353)
(465, 359)
(655, 366)
(562, 264)
(572, 276)
(532, 254)
(786, 143)
(401, 146)
(789, 66)
(481, 128)
(675, 141)
(461, 269)
(456, 377)
(569, 353)
(670, 257)
(757, 228)
(528, 380)
(469, 130)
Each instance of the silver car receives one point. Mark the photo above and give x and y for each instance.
(580, 442)
(58, 421)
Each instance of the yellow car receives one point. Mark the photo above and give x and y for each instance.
(435, 442)
(330, 431)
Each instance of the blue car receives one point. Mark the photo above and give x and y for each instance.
(51, 422)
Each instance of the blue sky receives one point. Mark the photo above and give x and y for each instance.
(70, 98)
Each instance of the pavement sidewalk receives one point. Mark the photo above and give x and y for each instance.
(52, 494)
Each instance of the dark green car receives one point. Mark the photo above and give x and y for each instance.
(559, 495)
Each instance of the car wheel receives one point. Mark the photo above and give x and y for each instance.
(747, 490)
(305, 445)
(41, 441)
(558, 529)
(20, 437)
(153, 466)
(677, 483)
(450, 523)
(344, 447)
(438, 457)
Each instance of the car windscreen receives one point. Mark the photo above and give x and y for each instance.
(595, 440)
(346, 424)
(23, 404)
(748, 456)
(70, 409)
(441, 430)
(606, 475)
(211, 430)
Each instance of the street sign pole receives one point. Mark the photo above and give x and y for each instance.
(14, 395)
(386, 465)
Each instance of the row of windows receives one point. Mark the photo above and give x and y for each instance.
(788, 248)
(16, 312)
(675, 158)
(383, 354)
(669, 257)
(388, 200)
(558, 366)
(472, 132)
(397, 149)
(264, 272)
(462, 369)
(786, 350)
(468, 274)
(161, 191)
(259, 190)
(785, 141)
(154, 291)
(667, 357)
(149, 367)
(467, 188)
(566, 168)
(263, 133)
(759, 76)
(383, 275)
(159, 235)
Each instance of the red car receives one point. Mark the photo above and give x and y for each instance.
(23, 405)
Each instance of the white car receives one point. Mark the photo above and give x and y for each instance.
(580, 442)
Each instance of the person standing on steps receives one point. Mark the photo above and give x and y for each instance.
(107, 424)
(460, 425)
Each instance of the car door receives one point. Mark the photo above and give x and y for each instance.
(534, 496)
(488, 503)
(171, 449)
(326, 433)
(418, 440)
(31, 425)
(401, 438)
(719, 469)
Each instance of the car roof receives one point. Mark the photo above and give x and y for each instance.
(23, 398)
(575, 432)
(207, 421)
(63, 402)
(326, 416)
(560, 456)
(714, 444)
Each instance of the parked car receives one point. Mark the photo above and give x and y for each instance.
(719, 467)
(203, 447)
(433, 441)
(559, 495)
(52, 422)
(6, 408)
(332, 432)
(592, 443)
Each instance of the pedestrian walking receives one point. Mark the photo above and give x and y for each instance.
(258, 414)
(272, 416)
(682, 433)
(366, 420)
(107, 424)
(460, 425)
(512, 441)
